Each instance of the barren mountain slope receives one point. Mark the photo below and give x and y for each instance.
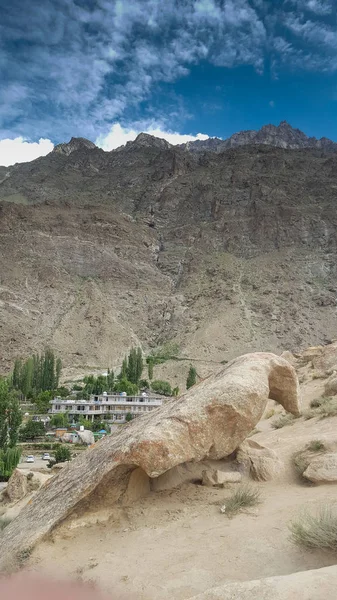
(223, 253)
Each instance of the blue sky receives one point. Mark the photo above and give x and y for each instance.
(107, 69)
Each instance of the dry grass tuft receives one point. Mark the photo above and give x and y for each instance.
(315, 446)
(283, 420)
(322, 407)
(316, 531)
(245, 496)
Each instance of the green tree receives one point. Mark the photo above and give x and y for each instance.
(14, 420)
(32, 430)
(124, 369)
(16, 377)
(110, 380)
(43, 401)
(62, 454)
(139, 365)
(128, 417)
(10, 421)
(58, 369)
(62, 391)
(126, 386)
(59, 420)
(144, 384)
(9, 460)
(27, 377)
(191, 377)
(10, 416)
(48, 370)
(161, 387)
(150, 368)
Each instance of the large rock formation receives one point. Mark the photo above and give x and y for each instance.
(209, 421)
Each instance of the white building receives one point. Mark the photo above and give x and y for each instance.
(109, 407)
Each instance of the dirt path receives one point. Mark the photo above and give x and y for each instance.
(177, 544)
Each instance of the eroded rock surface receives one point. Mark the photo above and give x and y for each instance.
(322, 469)
(209, 421)
(258, 461)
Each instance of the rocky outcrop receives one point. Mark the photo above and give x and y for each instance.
(209, 421)
(73, 145)
(330, 386)
(215, 477)
(17, 487)
(305, 585)
(322, 469)
(259, 462)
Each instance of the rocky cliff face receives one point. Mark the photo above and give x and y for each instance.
(223, 253)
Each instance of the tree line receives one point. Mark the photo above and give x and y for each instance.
(39, 373)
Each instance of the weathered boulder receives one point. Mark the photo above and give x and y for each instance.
(322, 469)
(86, 437)
(216, 477)
(289, 357)
(209, 421)
(258, 461)
(17, 487)
(330, 387)
(304, 585)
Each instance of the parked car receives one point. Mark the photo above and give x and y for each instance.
(30, 459)
(46, 456)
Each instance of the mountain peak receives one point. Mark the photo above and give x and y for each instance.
(147, 140)
(73, 145)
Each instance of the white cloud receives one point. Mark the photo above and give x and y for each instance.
(19, 150)
(119, 135)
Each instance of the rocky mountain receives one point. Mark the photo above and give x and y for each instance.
(222, 253)
(281, 136)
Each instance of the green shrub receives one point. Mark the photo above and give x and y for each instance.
(316, 531)
(32, 430)
(62, 454)
(161, 387)
(245, 496)
(315, 446)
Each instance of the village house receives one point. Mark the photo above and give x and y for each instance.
(109, 407)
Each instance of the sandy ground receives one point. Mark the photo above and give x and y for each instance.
(175, 544)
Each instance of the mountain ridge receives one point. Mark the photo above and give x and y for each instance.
(221, 253)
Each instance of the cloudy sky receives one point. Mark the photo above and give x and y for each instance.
(108, 69)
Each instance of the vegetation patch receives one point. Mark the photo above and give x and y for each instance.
(316, 446)
(322, 407)
(283, 420)
(245, 496)
(316, 531)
